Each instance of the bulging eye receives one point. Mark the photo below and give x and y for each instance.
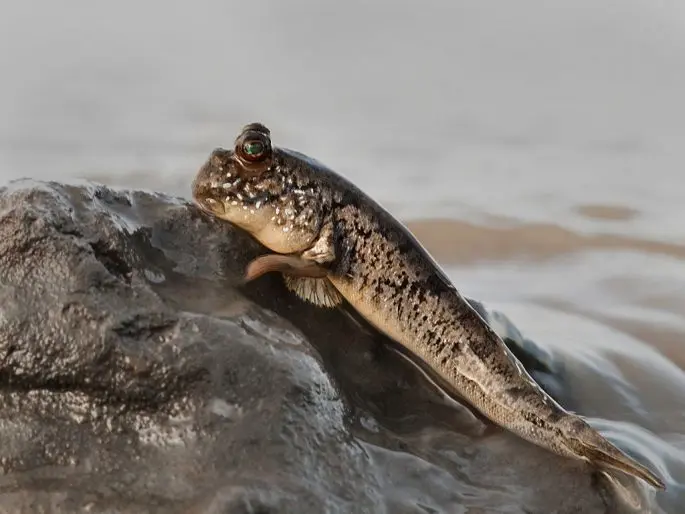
(254, 149)
(253, 146)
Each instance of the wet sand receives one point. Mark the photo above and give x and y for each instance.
(456, 242)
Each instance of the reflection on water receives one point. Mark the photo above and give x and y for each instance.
(546, 142)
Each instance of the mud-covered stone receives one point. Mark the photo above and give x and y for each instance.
(138, 375)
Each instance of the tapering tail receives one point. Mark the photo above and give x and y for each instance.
(592, 446)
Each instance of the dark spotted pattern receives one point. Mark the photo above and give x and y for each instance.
(389, 278)
(285, 186)
(403, 284)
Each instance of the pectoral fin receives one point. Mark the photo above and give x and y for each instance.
(318, 291)
(305, 278)
(286, 264)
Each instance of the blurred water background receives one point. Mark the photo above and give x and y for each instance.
(535, 147)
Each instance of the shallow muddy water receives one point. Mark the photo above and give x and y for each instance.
(536, 150)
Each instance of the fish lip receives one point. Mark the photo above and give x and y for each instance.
(205, 205)
(203, 189)
(202, 195)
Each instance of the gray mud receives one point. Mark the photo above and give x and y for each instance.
(137, 375)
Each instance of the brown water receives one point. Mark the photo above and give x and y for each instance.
(534, 147)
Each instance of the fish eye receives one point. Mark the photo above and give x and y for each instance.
(253, 146)
(253, 149)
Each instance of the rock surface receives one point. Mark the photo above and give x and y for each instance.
(136, 375)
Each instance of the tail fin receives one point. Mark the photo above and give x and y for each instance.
(592, 446)
(612, 457)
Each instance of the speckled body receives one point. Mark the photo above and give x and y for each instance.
(294, 205)
(386, 274)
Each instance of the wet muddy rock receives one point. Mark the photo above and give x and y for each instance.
(137, 375)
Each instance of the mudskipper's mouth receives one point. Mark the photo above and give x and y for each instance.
(209, 205)
(204, 186)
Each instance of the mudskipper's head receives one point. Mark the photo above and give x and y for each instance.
(270, 192)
